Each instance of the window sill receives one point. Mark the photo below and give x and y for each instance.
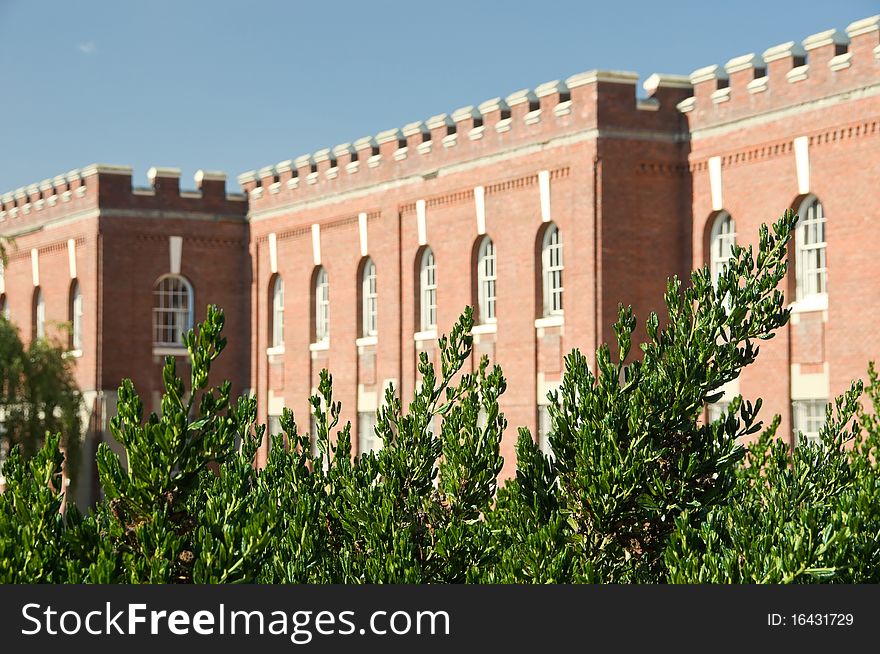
(366, 341)
(320, 345)
(274, 350)
(429, 335)
(487, 328)
(170, 350)
(818, 302)
(72, 354)
(550, 321)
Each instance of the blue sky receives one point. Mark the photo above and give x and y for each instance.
(238, 85)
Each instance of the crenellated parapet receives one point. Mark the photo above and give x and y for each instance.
(106, 187)
(556, 109)
(830, 63)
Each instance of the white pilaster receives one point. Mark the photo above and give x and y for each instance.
(316, 243)
(175, 253)
(715, 183)
(422, 222)
(35, 266)
(362, 232)
(71, 257)
(273, 253)
(480, 206)
(544, 186)
(802, 163)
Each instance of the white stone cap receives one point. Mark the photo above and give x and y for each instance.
(365, 142)
(666, 81)
(74, 175)
(94, 169)
(440, 120)
(743, 62)
(33, 189)
(209, 176)
(519, 97)
(342, 149)
(495, 104)
(303, 161)
(389, 135)
(158, 171)
(707, 73)
(284, 166)
(593, 76)
(863, 26)
(46, 185)
(8, 197)
(20, 192)
(686, 105)
(59, 180)
(783, 50)
(266, 171)
(249, 176)
(549, 88)
(464, 113)
(321, 155)
(828, 37)
(416, 127)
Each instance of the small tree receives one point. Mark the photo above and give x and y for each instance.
(631, 454)
(38, 396)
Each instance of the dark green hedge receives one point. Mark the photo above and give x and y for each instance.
(639, 489)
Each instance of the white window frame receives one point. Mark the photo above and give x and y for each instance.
(487, 277)
(368, 441)
(545, 424)
(175, 304)
(39, 314)
(428, 291)
(76, 317)
(369, 300)
(273, 428)
(322, 306)
(714, 410)
(278, 312)
(720, 245)
(808, 418)
(811, 243)
(552, 267)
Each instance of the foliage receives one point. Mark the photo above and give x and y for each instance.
(639, 488)
(38, 395)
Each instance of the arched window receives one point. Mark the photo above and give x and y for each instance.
(486, 278)
(721, 241)
(812, 273)
(76, 316)
(39, 315)
(552, 266)
(369, 300)
(428, 291)
(322, 306)
(172, 310)
(276, 334)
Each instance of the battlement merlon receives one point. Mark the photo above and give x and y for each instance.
(864, 36)
(824, 64)
(552, 109)
(107, 186)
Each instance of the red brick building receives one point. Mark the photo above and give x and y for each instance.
(544, 210)
(118, 272)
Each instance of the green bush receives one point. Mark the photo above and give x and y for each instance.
(639, 489)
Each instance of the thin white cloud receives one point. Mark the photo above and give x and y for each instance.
(87, 48)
